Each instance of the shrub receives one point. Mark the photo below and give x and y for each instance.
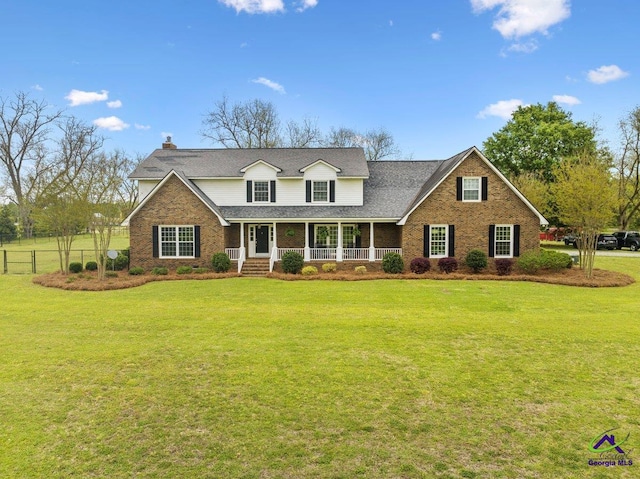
(392, 263)
(476, 260)
(91, 266)
(448, 265)
(420, 265)
(309, 270)
(121, 262)
(184, 270)
(75, 267)
(110, 274)
(329, 267)
(360, 269)
(533, 261)
(504, 266)
(200, 270)
(136, 271)
(529, 262)
(292, 262)
(160, 270)
(220, 262)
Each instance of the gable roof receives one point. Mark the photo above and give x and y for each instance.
(189, 184)
(229, 163)
(443, 172)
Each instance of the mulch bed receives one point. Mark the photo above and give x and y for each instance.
(88, 281)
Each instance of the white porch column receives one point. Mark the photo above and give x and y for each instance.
(242, 249)
(307, 250)
(275, 236)
(339, 248)
(372, 248)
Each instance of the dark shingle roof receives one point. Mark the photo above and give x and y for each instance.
(227, 163)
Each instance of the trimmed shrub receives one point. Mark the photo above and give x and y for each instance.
(292, 262)
(136, 271)
(529, 262)
(121, 262)
(75, 267)
(309, 270)
(448, 265)
(420, 265)
(360, 269)
(160, 270)
(184, 270)
(476, 260)
(91, 266)
(110, 274)
(220, 262)
(200, 270)
(329, 267)
(504, 266)
(533, 261)
(392, 263)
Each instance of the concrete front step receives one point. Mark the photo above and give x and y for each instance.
(255, 267)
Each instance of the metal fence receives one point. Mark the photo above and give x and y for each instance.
(41, 261)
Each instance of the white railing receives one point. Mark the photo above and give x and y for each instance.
(282, 251)
(380, 252)
(357, 254)
(241, 260)
(233, 253)
(322, 254)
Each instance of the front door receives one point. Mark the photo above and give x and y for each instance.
(262, 240)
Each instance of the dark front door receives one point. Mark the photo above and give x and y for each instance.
(262, 239)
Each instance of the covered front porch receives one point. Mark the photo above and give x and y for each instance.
(328, 241)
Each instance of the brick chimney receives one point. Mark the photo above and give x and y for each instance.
(167, 145)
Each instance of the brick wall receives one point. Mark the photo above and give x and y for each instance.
(471, 219)
(174, 204)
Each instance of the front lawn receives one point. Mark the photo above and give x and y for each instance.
(250, 377)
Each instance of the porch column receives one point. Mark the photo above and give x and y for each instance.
(307, 250)
(339, 248)
(372, 248)
(275, 236)
(242, 250)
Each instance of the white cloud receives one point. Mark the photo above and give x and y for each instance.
(518, 18)
(37, 87)
(304, 4)
(114, 104)
(526, 47)
(111, 123)
(606, 73)
(502, 109)
(138, 126)
(255, 6)
(566, 99)
(79, 97)
(437, 36)
(270, 84)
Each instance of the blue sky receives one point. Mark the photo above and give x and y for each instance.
(441, 76)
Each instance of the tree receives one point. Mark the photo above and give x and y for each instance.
(377, 144)
(24, 128)
(8, 228)
(536, 139)
(587, 198)
(628, 169)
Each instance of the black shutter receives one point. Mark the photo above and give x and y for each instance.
(516, 240)
(452, 241)
(273, 191)
(485, 188)
(249, 191)
(492, 240)
(196, 241)
(459, 188)
(154, 240)
(425, 240)
(311, 238)
(308, 185)
(332, 191)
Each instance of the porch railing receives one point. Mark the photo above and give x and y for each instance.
(380, 252)
(357, 254)
(233, 253)
(282, 251)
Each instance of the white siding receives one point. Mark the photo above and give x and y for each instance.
(227, 192)
(260, 172)
(144, 187)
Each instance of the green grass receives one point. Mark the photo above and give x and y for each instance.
(263, 378)
(46, 251)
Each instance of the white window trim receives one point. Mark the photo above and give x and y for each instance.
(479, 188)
(177, 241)
(446, 241)
(313, 191)
(253, 191)
(495, 242)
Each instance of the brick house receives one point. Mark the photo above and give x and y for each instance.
(329, 204)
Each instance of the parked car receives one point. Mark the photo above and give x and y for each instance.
(628, 239)
(605, 241)
(569, 240)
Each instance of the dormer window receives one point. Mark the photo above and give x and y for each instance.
(261, 191)
(320, 191)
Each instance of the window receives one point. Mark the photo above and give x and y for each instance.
(470, 189)
(503, 241)
(326, 236)
(348, 236)
(177, 242)
(320, 191)
(438, 241)
(261, 191)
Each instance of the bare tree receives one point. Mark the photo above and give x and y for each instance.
(254, 124)
(24, 128)
(628, 169)
(377, 144)
(302, 135)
